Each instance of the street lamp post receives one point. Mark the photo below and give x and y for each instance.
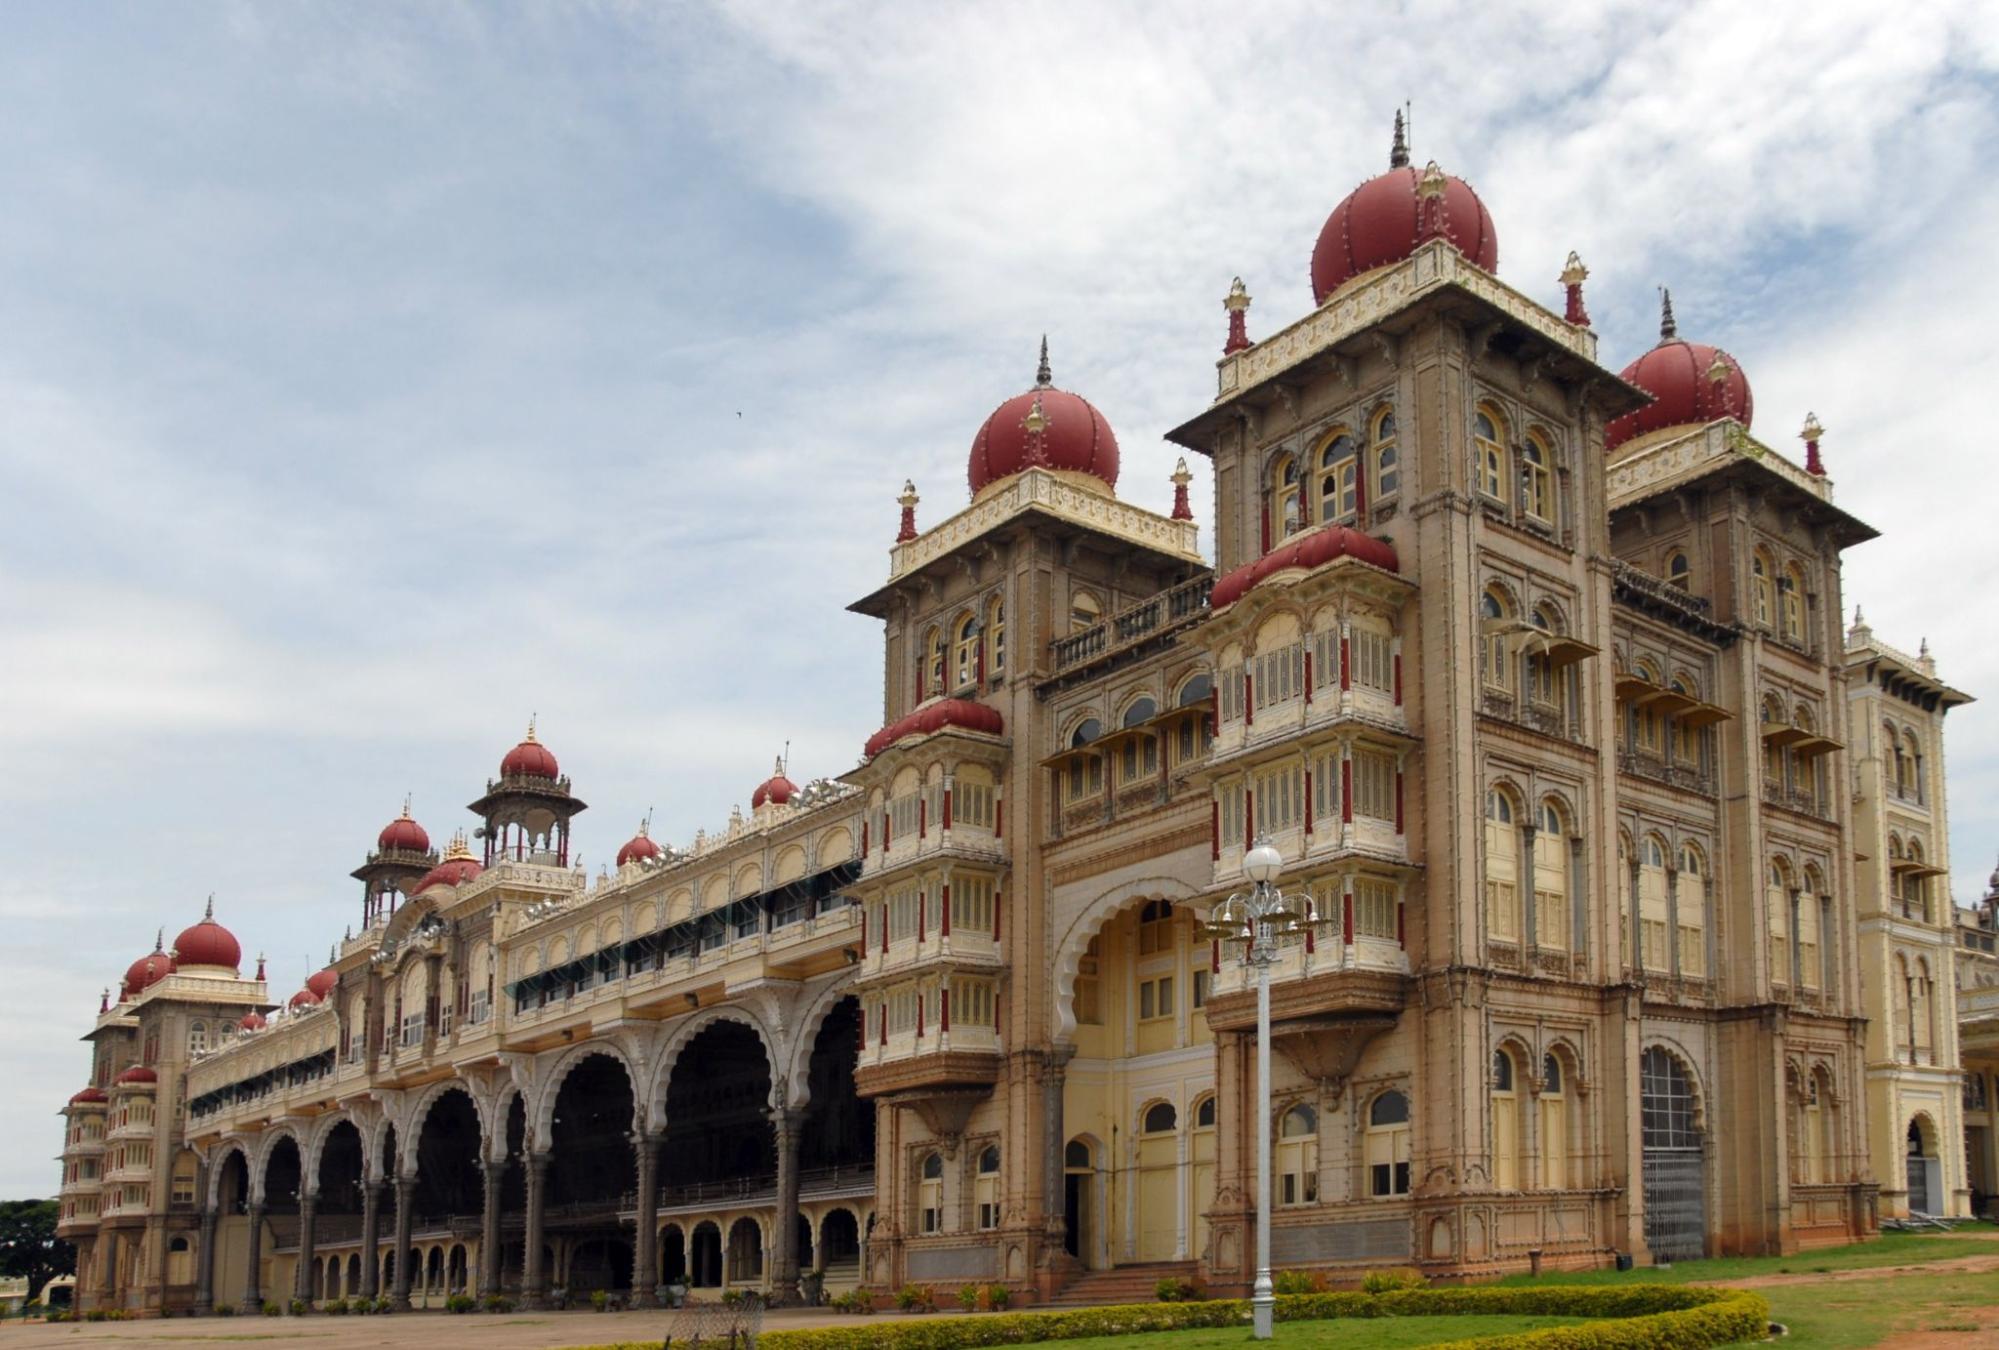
(1256, 918)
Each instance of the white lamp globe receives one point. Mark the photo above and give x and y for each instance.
(1262, 863)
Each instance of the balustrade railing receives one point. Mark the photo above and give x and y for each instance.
(1171, 607)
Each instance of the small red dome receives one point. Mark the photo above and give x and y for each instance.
(457, 868)
(776, 789)
(1044, 428)
(207, 943)
(148, 970)
(404, 834)
(305, 998)
(1304, 553)
(323, 983)
(947, 712)
(1691, 384)
(1384, 219)
(530, 759)
(138, 1073)
(640, 845)
(90, 1096)
(251, 1021)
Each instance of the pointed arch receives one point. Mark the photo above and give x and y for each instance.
(1071, 945)
(683, 1033)
(542, 1115)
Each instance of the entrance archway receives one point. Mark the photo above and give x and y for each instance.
(1079, 1185)
(718, 1112)
(840, 1246)
(1923, 1167)
(592, 1170)
(705, 1257)
(1674, 1160)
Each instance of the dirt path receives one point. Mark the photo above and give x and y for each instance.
(1962, 1265)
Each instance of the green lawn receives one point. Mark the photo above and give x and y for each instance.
(1849, 1314)
(1390, 1333)
(1891, 1249)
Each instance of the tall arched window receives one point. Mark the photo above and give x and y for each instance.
(1339, 478)
(1902, 992)
(1892, 751)
(1686, 737)
(1923, 1011)
(1541, 675)
(1387, 459)
(1692, 912)
(1791, 602)
(1915, 886)
(1912, 766)
(1387, 1145)
(1494, 461)
(1495, 658)
(197, 1037)
(1654, 950)
(1085, 610)
(1677, 570)
(1625, 916)
(1763, 584)
(965, 650)
(1286, 511)
(1554, 1123)
(996, 638)
(1502, 867)
(930, 1194)
(933, 664)
(1298, 1157)
(987, 1187)
(1551, 879)
(1774, 768)
(1777, 907)
(1811, 954)
(1647, 727)
(1538, 482)
(1506, 1139)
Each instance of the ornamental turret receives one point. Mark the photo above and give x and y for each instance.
(528, 808)
(402, 854)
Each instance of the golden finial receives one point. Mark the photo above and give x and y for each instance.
(406, 800)
(1433, 182)
(1719, 371)
(1813, 431)
(1180, 475)
(1036, 420)
(1573, 272)
(908, 499)
(1238, 296)
(530, 739)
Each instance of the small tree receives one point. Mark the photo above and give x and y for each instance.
(29, 1245)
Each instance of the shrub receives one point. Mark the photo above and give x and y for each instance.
(225, 1310)
(968, 1297)
(600, 1300)
(998, 1296)
(273, 1308)
(1298, 1282)
(1176, 1290)
(916, 1298)
(856, 1301)
(460, 1303)
(1383, 1282)
(732, 1298)
(334, 1307)
(499, 1303)
(299, 1307)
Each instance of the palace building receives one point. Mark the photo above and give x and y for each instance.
(1630, 933)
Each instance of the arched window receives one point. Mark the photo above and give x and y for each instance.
(1915, 886)
(1494, 461)
(1076, 1156)
(1655, 951)
(1551, 879)
(1677, 570)
(1194, 733)
(932, 681)
(197, 1037)
(1763, 583)
(1298, 1157)
(1774, 768)
(1286, 511)
(1691, 905)
(1923, 1011)
(1538, 483)
(1811, 952)
(1387, 459)
(1647, 727)
(1140, 711)
(1139, 756)
(1506, 1140)
(1554, 1124)
(1502, 868)
(1686, 737)
(1902, 993)
(987, 1187)
(930, 1194)
(1777, 906)
(1161, 1118)
(965, 650)
(1496, 651)
(1085, 610)
(1625, 917)
(1155, 927)
(1339, 478)
(1912, 767)
(1204, 1113)
(1387, 1145)
(996, 638)
(1791, 602)
(1542, 687)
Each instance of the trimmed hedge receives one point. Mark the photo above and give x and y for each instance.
(1634, 1317)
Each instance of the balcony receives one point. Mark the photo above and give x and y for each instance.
(929, 839)
(961, 948)
(1133, 626)
(1686, 777)
(1364, 836)
(909, 1061)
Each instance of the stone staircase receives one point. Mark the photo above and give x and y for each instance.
(1121, 1284)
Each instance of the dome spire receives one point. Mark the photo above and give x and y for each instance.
(1181, 509)
(1043, 377)
(1668, 330)
(1814, 463)
(1237, 304)
(907, 501)
(1398, 153)
(208, 915)
(1574, 274)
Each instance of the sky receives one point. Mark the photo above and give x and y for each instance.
(375, 377)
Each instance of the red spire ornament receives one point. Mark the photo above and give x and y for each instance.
(1572, 278)
(1810, 436)
(907, 501)
(1237, 304)
(260, 967)
(1181, 509)
(104, 1002)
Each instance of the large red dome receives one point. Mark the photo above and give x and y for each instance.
(405, 834)
(530, 759)
(1384, 219)
(1303, 553)
(1691, 384)
(945, 712)
(1044, 428)
(148, 970)
(207, 943)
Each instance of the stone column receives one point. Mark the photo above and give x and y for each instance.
(253, 1281)
(204, 1267)
(489, 1229)
(371, 1238)
(307, 1279)
(786, 1122)
(645, 1247)
(534, 1276)
(405, 1198)
(1054, 1074)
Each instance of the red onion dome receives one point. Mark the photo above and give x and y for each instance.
(403, 833)
(324, 982)
(90, 1096)
(1384, 219)
(458, 867)
(207, 943)
(149, 969)
(945, 712)
(138, 1073)
(1044, 428)
(251, 1021)
(1691, 384)
(530, 759)
(1304, 553)
(303, 999)
(640, 845)
(776, 789)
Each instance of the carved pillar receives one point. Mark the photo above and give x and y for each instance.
(489, 1228)
(786, 1122)
(405, 1203)
(371, 1238)
(253, 1260)
(645, 1245)
(534, 1277)
(1054, 1074)
(204, 1267)
(306, 1282)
